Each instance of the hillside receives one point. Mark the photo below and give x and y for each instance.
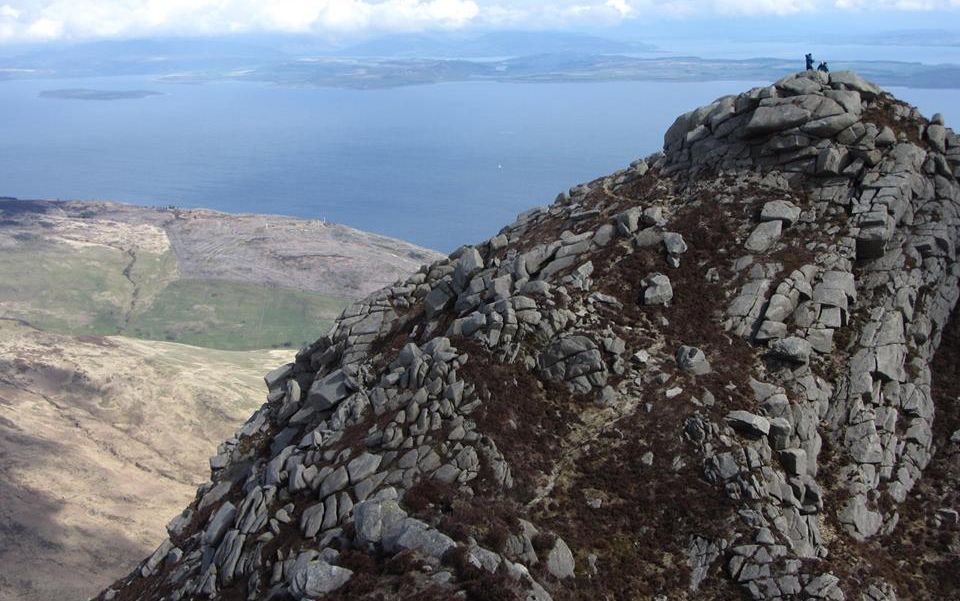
(100, 438)
(726, 372)
(92, 422)
(187, 275)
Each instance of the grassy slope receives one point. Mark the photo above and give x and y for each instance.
(232, 315)
(83, 290)
(76, 290)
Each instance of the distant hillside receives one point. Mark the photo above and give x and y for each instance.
(187, 275)
(90, 421)
(90, 427)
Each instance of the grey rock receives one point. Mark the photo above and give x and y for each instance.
(227, 555)
(886, 137)
(447, 473)
(365, 487)
(771, 330)
(890, 361)
(780, 210)
(769, 119)
(794, 349)
(701, 553)
(828, 127)
(654, 216)
(330, 390)
(937, 135)
(468, 264)
(219, 523)
(215, 494)
(779, 308)
(535, 288)
(859, 521)
(374, 518)
(850, 100)
(560, 562)
(177, 525)
(153, 562)
(764, 236)
(674, 243)
(310, 580)
(412, 534)
(794, 461)
(335, 481)
(362, 466)
(780, 432)
(436, 301)
(628, 221)
(799, 85)
(821, 340)
(851, 81)
(277, 376)
(657, 289)
(484, 559)
(752, 424)
(604, 235)
(692, 360)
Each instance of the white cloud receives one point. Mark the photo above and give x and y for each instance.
(45, 29)
(46, 19)
(51, 19)
(621, 6)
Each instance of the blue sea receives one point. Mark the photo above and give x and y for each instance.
(438, 165)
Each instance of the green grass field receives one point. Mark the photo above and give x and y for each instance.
(82, 290)
(55, 287)
(229, 315)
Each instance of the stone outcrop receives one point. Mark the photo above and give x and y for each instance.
(707, 374)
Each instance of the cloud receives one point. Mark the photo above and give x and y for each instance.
(47, 19)
(37, 20)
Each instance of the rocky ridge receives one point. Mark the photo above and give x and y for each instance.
(705, 376)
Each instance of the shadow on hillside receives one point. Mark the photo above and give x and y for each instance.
(41, 557)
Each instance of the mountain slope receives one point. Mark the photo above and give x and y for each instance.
(91, 425)
(707, 376)
(100, 438)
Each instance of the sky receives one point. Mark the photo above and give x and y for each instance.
(37, 21)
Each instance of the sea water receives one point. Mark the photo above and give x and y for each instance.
(438, 165)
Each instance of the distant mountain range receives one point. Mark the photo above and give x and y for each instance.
(494, 44)
(352, 72)
(410, 59)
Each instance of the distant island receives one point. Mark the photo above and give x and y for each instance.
(378, 73)
(86, 94)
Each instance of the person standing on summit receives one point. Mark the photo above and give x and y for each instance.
(809, 62)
